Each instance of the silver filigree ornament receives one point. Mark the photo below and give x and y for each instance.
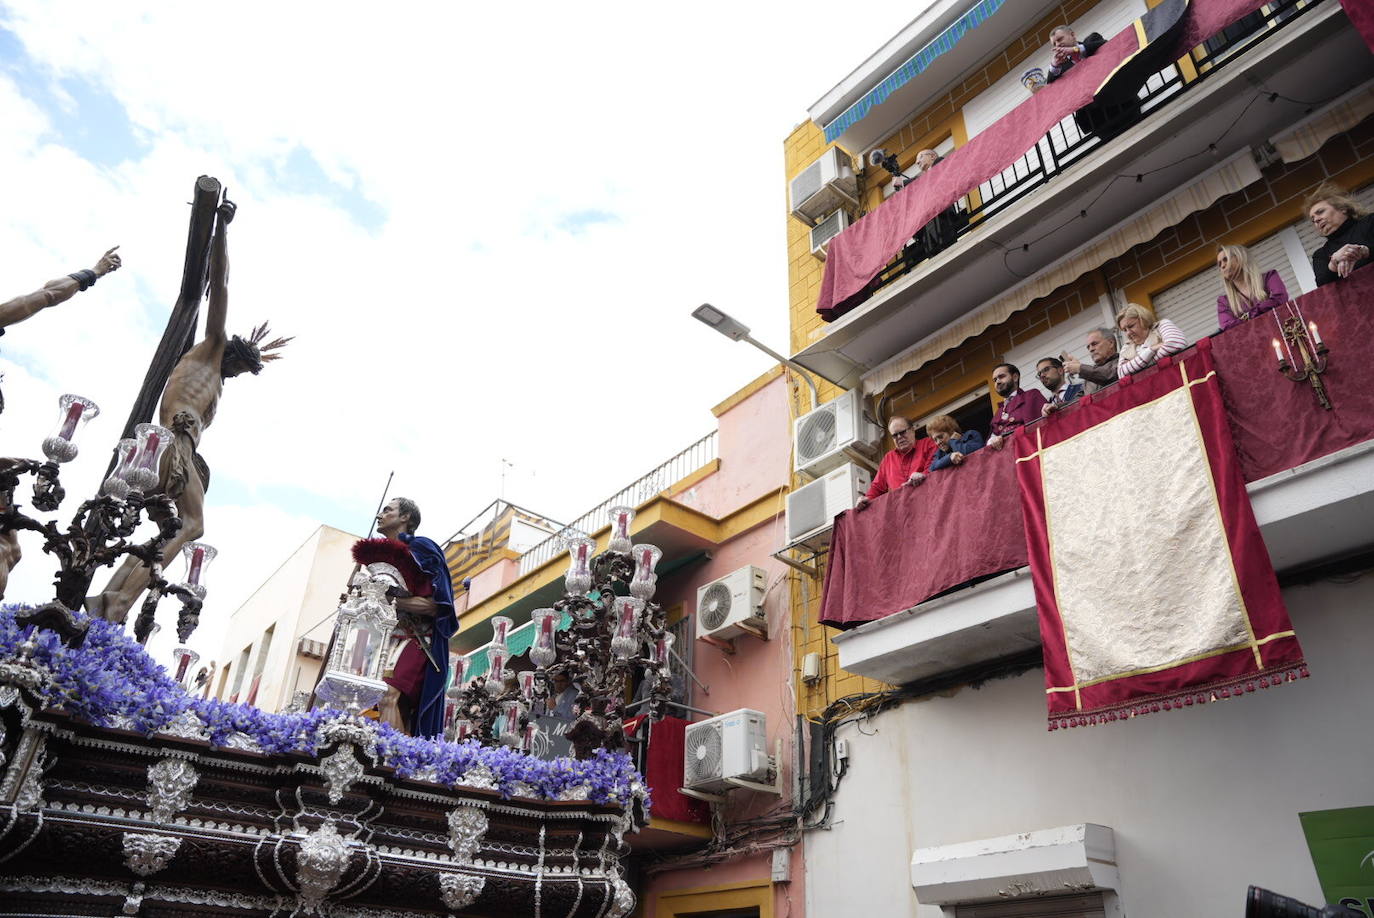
(341, 771)
(186, 725)
(320, 864)
(623, 901)
(146, 853)
(30, 796)
(459, 890)
(466, 826)
(170, 784)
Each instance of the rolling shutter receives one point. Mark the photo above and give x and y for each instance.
(1086, 905)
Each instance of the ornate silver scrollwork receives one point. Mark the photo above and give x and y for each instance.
(30, 796)
(341, 771)
(459, 890)
(466, 826)
(320, 864)
(170, 783)
(623, 901)
(186, 725)
(145, 853)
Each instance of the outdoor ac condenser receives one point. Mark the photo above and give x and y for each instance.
(732, 605)
(825, 437)
(733, 745)
(826, 185)
(828, 229)
(812, 508)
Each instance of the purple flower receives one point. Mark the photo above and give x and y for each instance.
(110, 675)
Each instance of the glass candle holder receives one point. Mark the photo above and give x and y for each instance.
(497, 655)
(458, 673)
(198, 556)
(644, 581)
(625, 640)
(579, 578)
(508, 722)
(73, 413)
(527, 685)
(115, 485)
(364, 644)
(462, 729)
(542, 652)
(527, 737)
(500, 627)
(153, 440)
(661, 652)
(185, 658)
(621, 518)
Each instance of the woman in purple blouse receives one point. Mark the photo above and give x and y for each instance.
(1248, 293)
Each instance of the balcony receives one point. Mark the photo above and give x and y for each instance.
(1311, 509)
(1067, 182)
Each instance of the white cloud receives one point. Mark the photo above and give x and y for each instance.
(471, 326)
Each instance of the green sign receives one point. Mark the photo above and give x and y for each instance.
(1342, 846)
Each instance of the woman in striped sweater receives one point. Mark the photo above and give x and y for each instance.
(1147, 338)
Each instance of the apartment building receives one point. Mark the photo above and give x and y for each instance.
(941, 792)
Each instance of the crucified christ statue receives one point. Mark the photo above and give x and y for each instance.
(188, 406)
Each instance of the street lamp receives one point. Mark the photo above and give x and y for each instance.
(736, 330)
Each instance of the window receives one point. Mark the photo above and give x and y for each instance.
(239, 668)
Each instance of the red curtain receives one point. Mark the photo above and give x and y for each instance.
(663, 770)
(856, 255)
(964, 524)
(1361, 14)
(913, 543)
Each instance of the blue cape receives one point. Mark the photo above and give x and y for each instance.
(428, 719)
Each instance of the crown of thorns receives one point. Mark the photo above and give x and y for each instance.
(252, 352)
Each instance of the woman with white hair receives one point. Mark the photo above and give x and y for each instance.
(1349, 233)
(1147, 339)
(1248, 293)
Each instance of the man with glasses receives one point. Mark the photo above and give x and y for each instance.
(1050, 372)
(905, 464)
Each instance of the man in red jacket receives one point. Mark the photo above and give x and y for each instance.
(905, 464)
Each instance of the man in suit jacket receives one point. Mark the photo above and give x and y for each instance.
(1068, 50)
(1050, 372)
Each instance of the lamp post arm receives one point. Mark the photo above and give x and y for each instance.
(800, 371)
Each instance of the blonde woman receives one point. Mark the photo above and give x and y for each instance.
(1147, 339)
(1248, 293)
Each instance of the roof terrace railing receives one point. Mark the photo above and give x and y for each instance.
(644, 487)
(1067, 142)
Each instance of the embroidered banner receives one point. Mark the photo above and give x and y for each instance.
(1170, 600)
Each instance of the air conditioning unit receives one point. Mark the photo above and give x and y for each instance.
(832, 434)
(825, 186)
(812, 508)
(826, 230)
(733, 745)
(733, 605)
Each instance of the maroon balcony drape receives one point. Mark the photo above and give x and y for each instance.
(663, 770)
(964, 524)
(857, 254)
(1361, 15)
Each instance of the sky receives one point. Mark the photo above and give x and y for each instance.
(485, 225)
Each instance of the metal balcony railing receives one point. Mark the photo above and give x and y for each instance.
(646, 486)
(1067, 141)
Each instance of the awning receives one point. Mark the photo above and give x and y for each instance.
(941, 44)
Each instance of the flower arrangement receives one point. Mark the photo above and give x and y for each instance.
(110, 681)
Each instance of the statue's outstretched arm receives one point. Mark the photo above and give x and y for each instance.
(56, 291)
(219, 288)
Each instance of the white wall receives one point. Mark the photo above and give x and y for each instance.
(1203, 801)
